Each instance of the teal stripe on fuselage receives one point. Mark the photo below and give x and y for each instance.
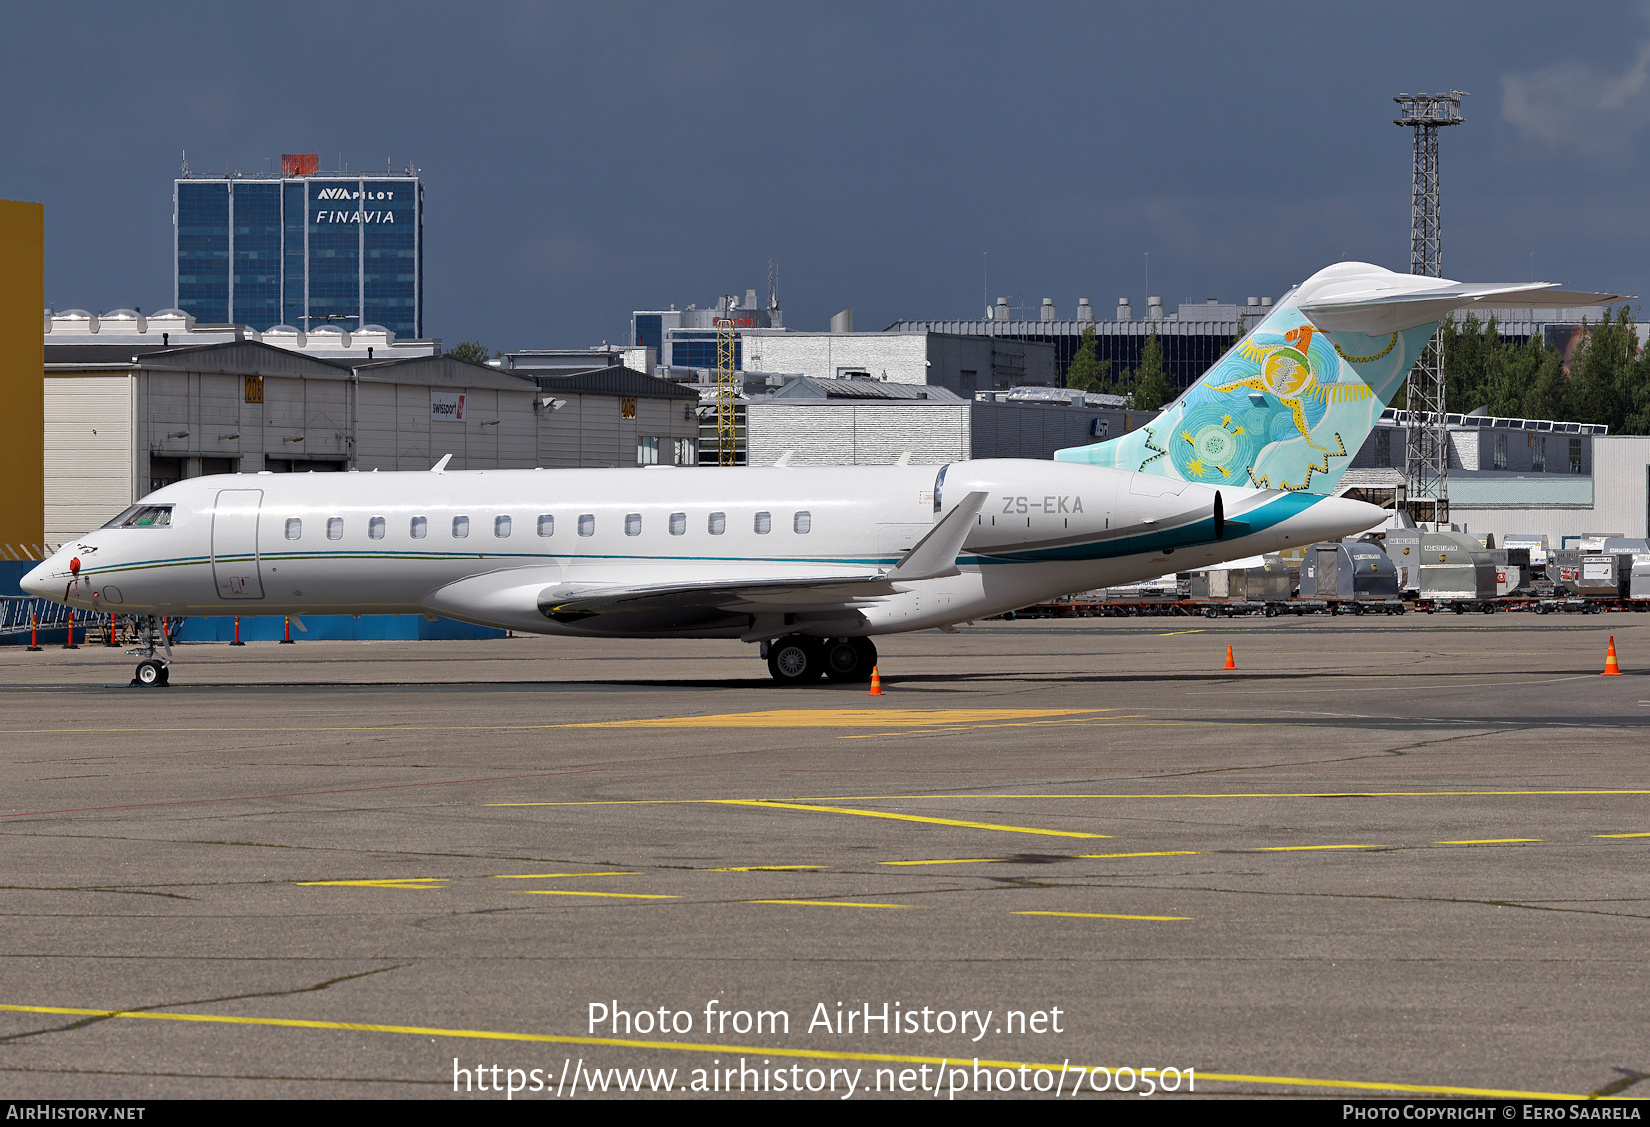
(1273, 512)
(445, 557)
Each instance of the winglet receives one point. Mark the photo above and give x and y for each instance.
(441, 465)
(935, 555)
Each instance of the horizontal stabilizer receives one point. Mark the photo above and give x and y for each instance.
(1396, 302)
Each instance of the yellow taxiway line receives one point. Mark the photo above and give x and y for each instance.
(770, 805)
(806, 1054)
(830, 903)
(1101, 916)
(551, 876)
(843, 718)
(1240, 794)
(605, 895)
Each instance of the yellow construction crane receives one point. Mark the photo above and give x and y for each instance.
(726, 339)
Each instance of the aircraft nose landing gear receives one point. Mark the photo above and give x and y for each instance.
(151, 671)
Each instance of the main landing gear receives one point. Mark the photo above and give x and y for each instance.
(799, 660)
(152, 671)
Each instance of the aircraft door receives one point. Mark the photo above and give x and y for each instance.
(235, 544)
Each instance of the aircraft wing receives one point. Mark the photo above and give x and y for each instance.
(800, 592)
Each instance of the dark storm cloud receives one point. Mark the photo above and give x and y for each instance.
(584, 160)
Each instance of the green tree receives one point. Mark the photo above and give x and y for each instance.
(1152, 389)
(472, 350)
(1546, 395)
(1086, 373)
(1601, 375)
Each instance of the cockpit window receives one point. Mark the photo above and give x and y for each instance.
(143, 516)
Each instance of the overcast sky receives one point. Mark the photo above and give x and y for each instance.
(581, 161)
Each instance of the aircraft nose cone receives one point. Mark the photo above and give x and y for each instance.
(34, 583)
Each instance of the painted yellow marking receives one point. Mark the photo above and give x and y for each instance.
(1109, 721)
(750, 1050)
(952, 861)
(900, 817)
(1240, 794)
(777, 718)
(1172, 633)
(549, 876)
(416, 883)
(829, 903)
(762, 868)
(1164, 853)
(1490, 841)
(841, 718)
(1621, 835)
(1303, 848)
(608, 895)
(1101, 916)
(613, 802)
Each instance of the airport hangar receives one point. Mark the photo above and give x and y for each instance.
(133, 403)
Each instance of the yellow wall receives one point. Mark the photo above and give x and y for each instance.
(22, 372)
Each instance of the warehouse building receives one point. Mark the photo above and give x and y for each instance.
(1192, 338)
(1518, 475)
(1196, 334)
(863, 421)
(123, 420)
(961, 364)
(174, 328)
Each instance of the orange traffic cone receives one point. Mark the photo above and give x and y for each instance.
(1611, 669)
(876, 683)
(1230, 664)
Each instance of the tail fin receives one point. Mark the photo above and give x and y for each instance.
(1291, 403)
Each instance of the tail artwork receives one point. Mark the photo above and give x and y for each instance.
(1291, 403)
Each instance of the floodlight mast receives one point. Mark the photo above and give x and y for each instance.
(726, 385)
(1426, 437)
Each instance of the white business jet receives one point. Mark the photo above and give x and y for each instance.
(811, 563)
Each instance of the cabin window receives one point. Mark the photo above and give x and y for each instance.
(335, 528)
(718, 523)
(802, 522)
(420, 527)
(501, 527)
(764, 523)
(633, 524)
(461, 527)
(294, 528)
(587, 524)
(375, 528)
(547, 524)
(678, 524)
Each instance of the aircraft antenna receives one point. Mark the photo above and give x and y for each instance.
(1426, 437)
(727, 340)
